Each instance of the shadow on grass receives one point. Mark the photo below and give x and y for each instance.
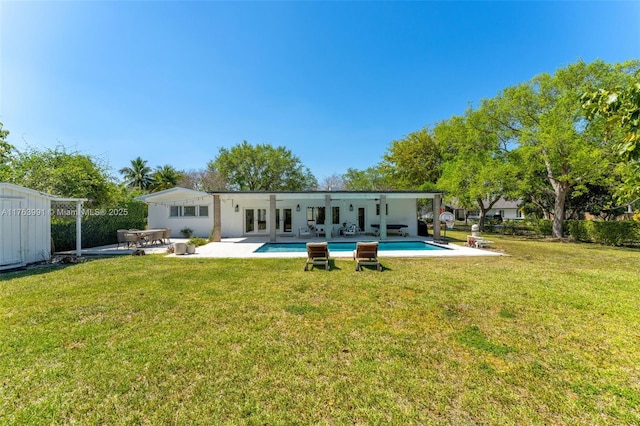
(44, 268)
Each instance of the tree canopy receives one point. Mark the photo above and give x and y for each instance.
(58, 172)
(413, 162)
(138, 175)
(477, 169)
(207, 179)
(545, 120)
(164, 177)
(262, 167)
(5, 147)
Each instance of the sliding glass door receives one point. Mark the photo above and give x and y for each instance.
(255, 221)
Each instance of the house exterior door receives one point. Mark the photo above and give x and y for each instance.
(361, 218)
(284, 220)
(255, 221)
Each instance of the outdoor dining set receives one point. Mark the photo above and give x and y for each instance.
(142, 238)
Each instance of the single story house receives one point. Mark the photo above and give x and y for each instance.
(272, 214)
(507, 209)
(25, 225)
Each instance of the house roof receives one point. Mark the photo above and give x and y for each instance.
(172, 194)
(334, 195)
(6, 186)
(190, 194)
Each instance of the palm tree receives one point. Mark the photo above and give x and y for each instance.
(165, 177)
(138, 175)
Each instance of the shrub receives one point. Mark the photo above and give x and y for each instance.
(197, 241)
(186, 232)
(99, 226)
(618, 233)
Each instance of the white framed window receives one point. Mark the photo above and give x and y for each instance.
(189, 211)
(175, 211)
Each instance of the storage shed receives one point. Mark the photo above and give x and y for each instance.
(25, 225)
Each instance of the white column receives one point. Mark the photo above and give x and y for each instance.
(272, 218)
(383, 217)
(436, 217)
(217, 219)
(78, 228)
(328, 219)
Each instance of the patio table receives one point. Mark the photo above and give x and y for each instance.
(145, 235)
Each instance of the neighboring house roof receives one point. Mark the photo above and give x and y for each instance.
(500, 204)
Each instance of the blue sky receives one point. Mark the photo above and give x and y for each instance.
(335, 82)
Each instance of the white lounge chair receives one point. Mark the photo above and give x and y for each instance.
(478, 242)
(306, 232)
(351, 231)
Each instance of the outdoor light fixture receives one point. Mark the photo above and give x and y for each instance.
(237, 208)
(298, 208)
(350, 207)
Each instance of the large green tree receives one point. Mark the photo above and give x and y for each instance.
(477, 169)
(413, 162)
(207, 179)
(138, 175)
(545, 120)
(59, 172)
(369, 179)
(262, 167)
(619, 105)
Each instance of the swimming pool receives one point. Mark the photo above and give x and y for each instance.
(348, 246)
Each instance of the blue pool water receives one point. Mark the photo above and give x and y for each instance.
(348, 246)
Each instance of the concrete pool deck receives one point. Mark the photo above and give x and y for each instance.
(245, 248)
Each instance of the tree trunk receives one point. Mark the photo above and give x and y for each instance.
(561, 190)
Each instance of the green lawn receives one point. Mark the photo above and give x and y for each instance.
(547, 335)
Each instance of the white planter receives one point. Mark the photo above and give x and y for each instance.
(191, 248)
(180, 248)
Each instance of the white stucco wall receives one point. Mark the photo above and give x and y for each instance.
(400, 212)
(201, 226)
(235, 205)
(507, 214)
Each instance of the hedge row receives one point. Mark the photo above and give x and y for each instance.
(99, 228)
(619, 233)
(614, 233)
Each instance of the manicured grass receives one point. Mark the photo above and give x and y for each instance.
(547, 335)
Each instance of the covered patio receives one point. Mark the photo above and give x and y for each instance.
(276, 214)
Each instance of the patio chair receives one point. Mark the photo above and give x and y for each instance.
(317, 254)
(132, 239)
(166, 236)
(121, 239)
(351, 231)
(306, 232)
(366, 254)
(156, 237)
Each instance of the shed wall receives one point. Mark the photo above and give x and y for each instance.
(25, 227)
